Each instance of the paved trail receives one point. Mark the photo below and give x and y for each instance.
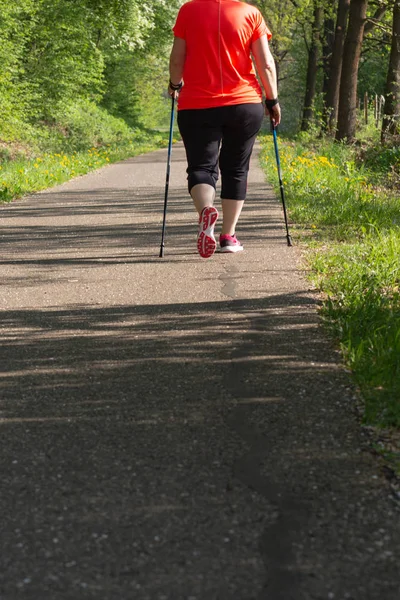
(175, 429)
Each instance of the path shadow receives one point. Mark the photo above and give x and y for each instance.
(185, 439)
(131, 234)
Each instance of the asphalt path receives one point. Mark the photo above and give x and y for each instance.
(176, 428)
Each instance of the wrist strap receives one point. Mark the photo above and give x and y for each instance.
(175, 86)
(271, 103)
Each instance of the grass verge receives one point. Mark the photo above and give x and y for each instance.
(347, 211)
(25, 176)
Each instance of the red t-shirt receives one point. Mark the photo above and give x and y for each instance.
(218, 67)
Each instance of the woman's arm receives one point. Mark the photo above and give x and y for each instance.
(176, 63)
(266, 70)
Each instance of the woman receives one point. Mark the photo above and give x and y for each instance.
(220, 108)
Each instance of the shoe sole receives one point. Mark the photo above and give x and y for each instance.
(231, 249)
(206, 244)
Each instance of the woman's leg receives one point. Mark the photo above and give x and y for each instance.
(242, 124)
(201, 134)
(231, 210)
(203, 194)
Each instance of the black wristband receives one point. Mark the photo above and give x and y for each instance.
(175, 86)
(271, 103)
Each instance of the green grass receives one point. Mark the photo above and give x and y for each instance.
(362, 309)
(345, 204)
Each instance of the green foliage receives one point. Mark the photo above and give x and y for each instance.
(82, 125)
(373, 71)
(137, 76)
(15, 30)
(292, 86)
(61, 61)
(384, 162)
(56, 52)
(136, 89)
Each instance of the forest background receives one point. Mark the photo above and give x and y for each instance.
(83, 83)
(61, 58)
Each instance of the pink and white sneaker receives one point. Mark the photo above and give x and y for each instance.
(206, 244)
(229, 243)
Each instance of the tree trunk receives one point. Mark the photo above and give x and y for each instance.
(329, 40)
(391, 119)
(332, 94)
(312, 68)
(347, 112)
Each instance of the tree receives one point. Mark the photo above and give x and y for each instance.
(347, 112)
(312, 67)
(327, 49)
(335, 69)
(391, 120)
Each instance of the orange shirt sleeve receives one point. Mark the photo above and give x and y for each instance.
(179, 28)
(260, 28)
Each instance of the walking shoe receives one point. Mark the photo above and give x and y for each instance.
(206, 244)
(229, 243)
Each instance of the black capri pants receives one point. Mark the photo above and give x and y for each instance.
(220, 137)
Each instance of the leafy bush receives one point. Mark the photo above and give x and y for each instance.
(384, 161)
(84, 125)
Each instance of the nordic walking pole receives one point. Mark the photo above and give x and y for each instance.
(171, 129)
(278, 164)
